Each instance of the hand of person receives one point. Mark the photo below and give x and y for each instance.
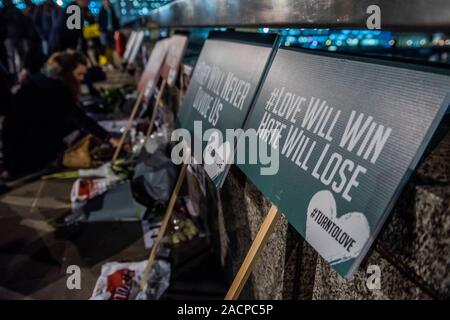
(23, 75)
(114, 142)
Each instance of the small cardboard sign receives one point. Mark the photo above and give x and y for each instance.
(175, 53)
(136, 46)
(150, 76)
(129, 46)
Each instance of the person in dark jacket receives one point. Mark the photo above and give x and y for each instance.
(15, 37)
(43, 112)
(5, 90)
(5, 76)
(62, 38)
(29, 9)
(34, 55)
(3, 31)
(44, 18)
(108, 24)
(23, 47)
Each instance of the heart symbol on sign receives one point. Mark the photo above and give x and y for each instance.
(335, 239)
(215, 156)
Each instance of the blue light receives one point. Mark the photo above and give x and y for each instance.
(94, 7)
(291, 39)
(370, 42)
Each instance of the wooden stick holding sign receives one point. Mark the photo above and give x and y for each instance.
(155, 108)
(164, 225)
(133, 115)
(128, 127)
(258, 244)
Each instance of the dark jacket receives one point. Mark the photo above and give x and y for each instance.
(62, 38)
(34, 57)
(5, 90)
(44, 18)
(3, 31)
(16, 26)
(42, 114)
(16, 22)
(103, 20)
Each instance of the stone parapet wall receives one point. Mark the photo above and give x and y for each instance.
(412, 250)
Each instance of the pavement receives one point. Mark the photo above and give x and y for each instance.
(36, 249)
(35, 252)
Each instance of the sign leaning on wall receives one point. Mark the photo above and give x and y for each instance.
(223, 86)
(129, 46)
(175, 53)
(150, 76)
(136, 46)
(348, 132)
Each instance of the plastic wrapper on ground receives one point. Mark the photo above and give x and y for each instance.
(121, 281)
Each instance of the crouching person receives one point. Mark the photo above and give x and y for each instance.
(43, 112)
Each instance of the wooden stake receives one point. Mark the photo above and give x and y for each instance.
(258, 244)
(130, 122)
(155, 108)
(164, 225)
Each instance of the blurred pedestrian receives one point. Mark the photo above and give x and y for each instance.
(3, 32)
(16, 35)
(62, 37)
(22, 43)
(108, 24)
(29, 9)
(5, 91)
(44, 18)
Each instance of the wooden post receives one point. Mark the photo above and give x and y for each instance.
(155, 108)
(128, 127)
(180, 92)
(253, 253)
(164, 225)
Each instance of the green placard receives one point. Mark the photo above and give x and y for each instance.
(351, 130)
(223, 86)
